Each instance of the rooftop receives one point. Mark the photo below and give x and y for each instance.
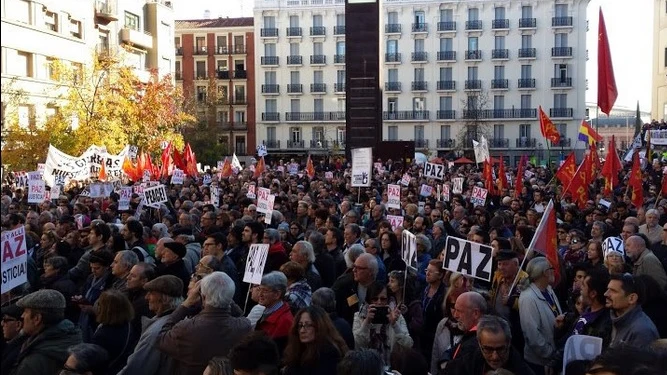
(214, 23)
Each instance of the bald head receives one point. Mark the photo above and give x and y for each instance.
(159, 247)
(474, 300)
(634, 247)
(631, 220)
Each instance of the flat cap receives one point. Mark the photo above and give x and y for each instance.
(43, 299)
(167, 284)
(506, 255)
(12, 311)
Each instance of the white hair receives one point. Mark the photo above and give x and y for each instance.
(218, 289)
(306, 249)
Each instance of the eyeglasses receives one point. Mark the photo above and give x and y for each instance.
(9, 320)
(488, 350)
(305, 325)
(69, 371)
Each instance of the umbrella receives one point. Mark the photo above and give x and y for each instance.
(463, 160)
(420, 158)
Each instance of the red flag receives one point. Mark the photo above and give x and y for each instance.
(178, 160)
(548, 128)
(664, 185)
(611, 167)
(566, 171)
(102, 176)
(226, 169)
(190, 161)
(167, 165)
(545, 239)
(310, 170)
(578, 187)
(488, 177)
(595, 158)
(519, 177)
(259, 168)
(502, 178)
(607, 91)
(635, 182)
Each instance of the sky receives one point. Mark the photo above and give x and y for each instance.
(630, 31)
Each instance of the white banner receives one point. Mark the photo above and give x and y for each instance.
(432, 170)
(478, 197)
(263, 200)
(394, 196)
(658, 137)
(613, 243)
(36, 191)
(254, 267)
(362, 161)
(468, 258)
(457, 183)
(14, 259)
(55, 191)
(64, 166)
(481, 150)
(269, 215)
(581, 347)
(177, 177)
(125, 198)
(405, 180)
(445, 193)
(395, 221)
(155, 195)
(215, 195)
(409, 249)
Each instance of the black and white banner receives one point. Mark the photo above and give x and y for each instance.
(468, 258)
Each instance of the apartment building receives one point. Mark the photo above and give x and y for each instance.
(659, 73)
(447, 66)
(35, 33)
(220, 52)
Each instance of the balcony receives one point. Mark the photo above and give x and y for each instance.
(240, 100)
(564, 142)
(448, 114)
(318, 31)
(318, 59)
(392, 28)
(500, 24)
(421, 143)
(500, 54)
(561, 52)
(295, 88)
(337, 145)
(339, 87)
(200, 50)
(419, 86)
(473, 55)
(269, 32)
(294, 60)
(201, 75)
(526, 83)
(240, 74)
(500, 84)
(319, 143)
(561, 21)
(419, 27)
(294, 32)
(489, 114)
(525, 142)
(295, 144)
(271, 89)
(447, 85)
(270, 116)
(220, 50)
(339, 30)
(238, 50)
(499, 143)
(527, 23)
(179, 51)
(446, 143)
(223, 74)
(474, 25)
(562, 82)
(446, 56)
(106, 10)
(473, 84)
(419, 56)
(561, 112)
(269, 60)
(394, 58)
(527, 53)
(405, 115)
(446, 26)
(339, 59)
(392, 86)
(525, 113)
(136, 38)
(315, 116)
(272, 143)
(236, 125)
(319, 88)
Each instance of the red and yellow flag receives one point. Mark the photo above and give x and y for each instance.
(259, 168)
(548, 128)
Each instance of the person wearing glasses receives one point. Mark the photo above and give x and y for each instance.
(630, 325)
(277, 318)
(88, 359)
(12, 335)
(494, 351)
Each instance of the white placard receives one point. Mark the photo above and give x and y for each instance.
(125, 198)
(362, 161)
(254, 267)
(36, 191)
(263, 200)
(409, 249)
(445, 193)
(405, 180)
(328, 175)
(269, 215)
(41, 167)
(155, 195)
(55, 191)
(14, 259)
(432, 170)
(96, 190)
(438, 193)
(206, 179)
(581, 347)
(426, 190)
(146, 176)
(613, 243)
(457, 183)
(251, 192)
(395, 221)
(467, 257)
(177, 177)
(293, 168)
(215, 196)
(261, 150)
(35, 176)
(138, 189)
(478, 197)
(394, 196)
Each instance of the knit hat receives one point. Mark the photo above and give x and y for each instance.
(283, 227)
(177, 248)
(43, 299)
(168, 285)
(103, 257)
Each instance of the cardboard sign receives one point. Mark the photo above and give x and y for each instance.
(155, 195)
(409, 249)
(14, 259)
(269, 215)
(177, 177)
(55, 191)
(215, 196)
(36, 191)
(457, 185)
(432, 170)
(394, 196)
(478, 197)
(468, 258)
(405, 180)
(426, 190)
(125, 198)
(251, 192)
(361, 167)
(613, 243)
(395, 221)
(446, 196)
(35, 176)
(146, 176)
(581, 347)
(254, 267)
(263, 200)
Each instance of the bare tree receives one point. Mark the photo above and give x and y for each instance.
(474, 112)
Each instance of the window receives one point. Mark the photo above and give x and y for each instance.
(317, 20)
(240, 144)
(318, 76)
(446, 15)
(420, 17)
(25, 115)
(498, 131)
(271, 105)
(294, 77)
(499, 72)
(131, 21)
(239, 117)
(560, 72)
(51, 111)
(499, 41)
(177, 42)
(392, 105)
(524, 131)
(419, 45)
(525, 102)
(239, 93)
(473, 14)
(270, 49)
(200, 43)
(526, 71)
(445, 103)
(340, 76)
(270, 78)
(446, 73)
(526, 41)
(201, 94)
(561, 10)
(223, 93)
(50, 73)
(562, 129)
(472, 72)
(22, 65)
(560, 100)
(392, 133)
(221, 43)
(318, 134)
(75, 29)
(295, 135)
(392, 75)
(200, 69)
(223, 117)
(418, 104)
(51, 20)
(445, 132)
(221, 65)
(392, 46)
(473, 43)
(392, 18)
(271, 133)
(293, 21)
(269, 22)
(18, 11)
(498, 102)
(294, 49)
(177, 66)
(526, 11)
(340, 19)
(340, 134)
(239, 42)
(471, 102)
(560, 40)
(318, 48)
(77, 72)
(500, 13)
(295, 105)
(318, 105)
(446, 44)
(419, 74)
(340, 104)
(419, 132)
(340, 47)
(239, 65)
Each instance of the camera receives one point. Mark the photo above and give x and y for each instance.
(381, 313)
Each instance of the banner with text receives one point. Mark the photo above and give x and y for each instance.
(14, 259)
(468, 258)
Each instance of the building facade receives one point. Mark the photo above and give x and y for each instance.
(215, 57)
(659, 73)
(139, 33)
(448, 67)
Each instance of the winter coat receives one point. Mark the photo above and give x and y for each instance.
(46, 352)
(147, 359)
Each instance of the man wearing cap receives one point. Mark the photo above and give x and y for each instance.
(164, 295)
(12, 335)
(172, 263)
(49, 334)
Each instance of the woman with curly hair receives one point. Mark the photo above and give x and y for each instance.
(314, 346)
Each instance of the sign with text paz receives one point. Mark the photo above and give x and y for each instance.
(251, 192)
(155, 195)
(36, 191)
(432, 170)
(263, 200)
(468, 258)
(613, 243)
(405, 180)
(478, 197)
(394, 196)
(395, 221)
(14, 259)
(254, 267)
(426, 190)
(177, 177)
(457, 185)
(125, 198)
(409, 249)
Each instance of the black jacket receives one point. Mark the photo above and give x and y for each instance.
(347, 300)
(474, 364)
(10, 352)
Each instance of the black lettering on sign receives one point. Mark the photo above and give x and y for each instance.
(466, 260)
(481, 273)
(452, 252)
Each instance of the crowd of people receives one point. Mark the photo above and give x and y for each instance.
(161, 291)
